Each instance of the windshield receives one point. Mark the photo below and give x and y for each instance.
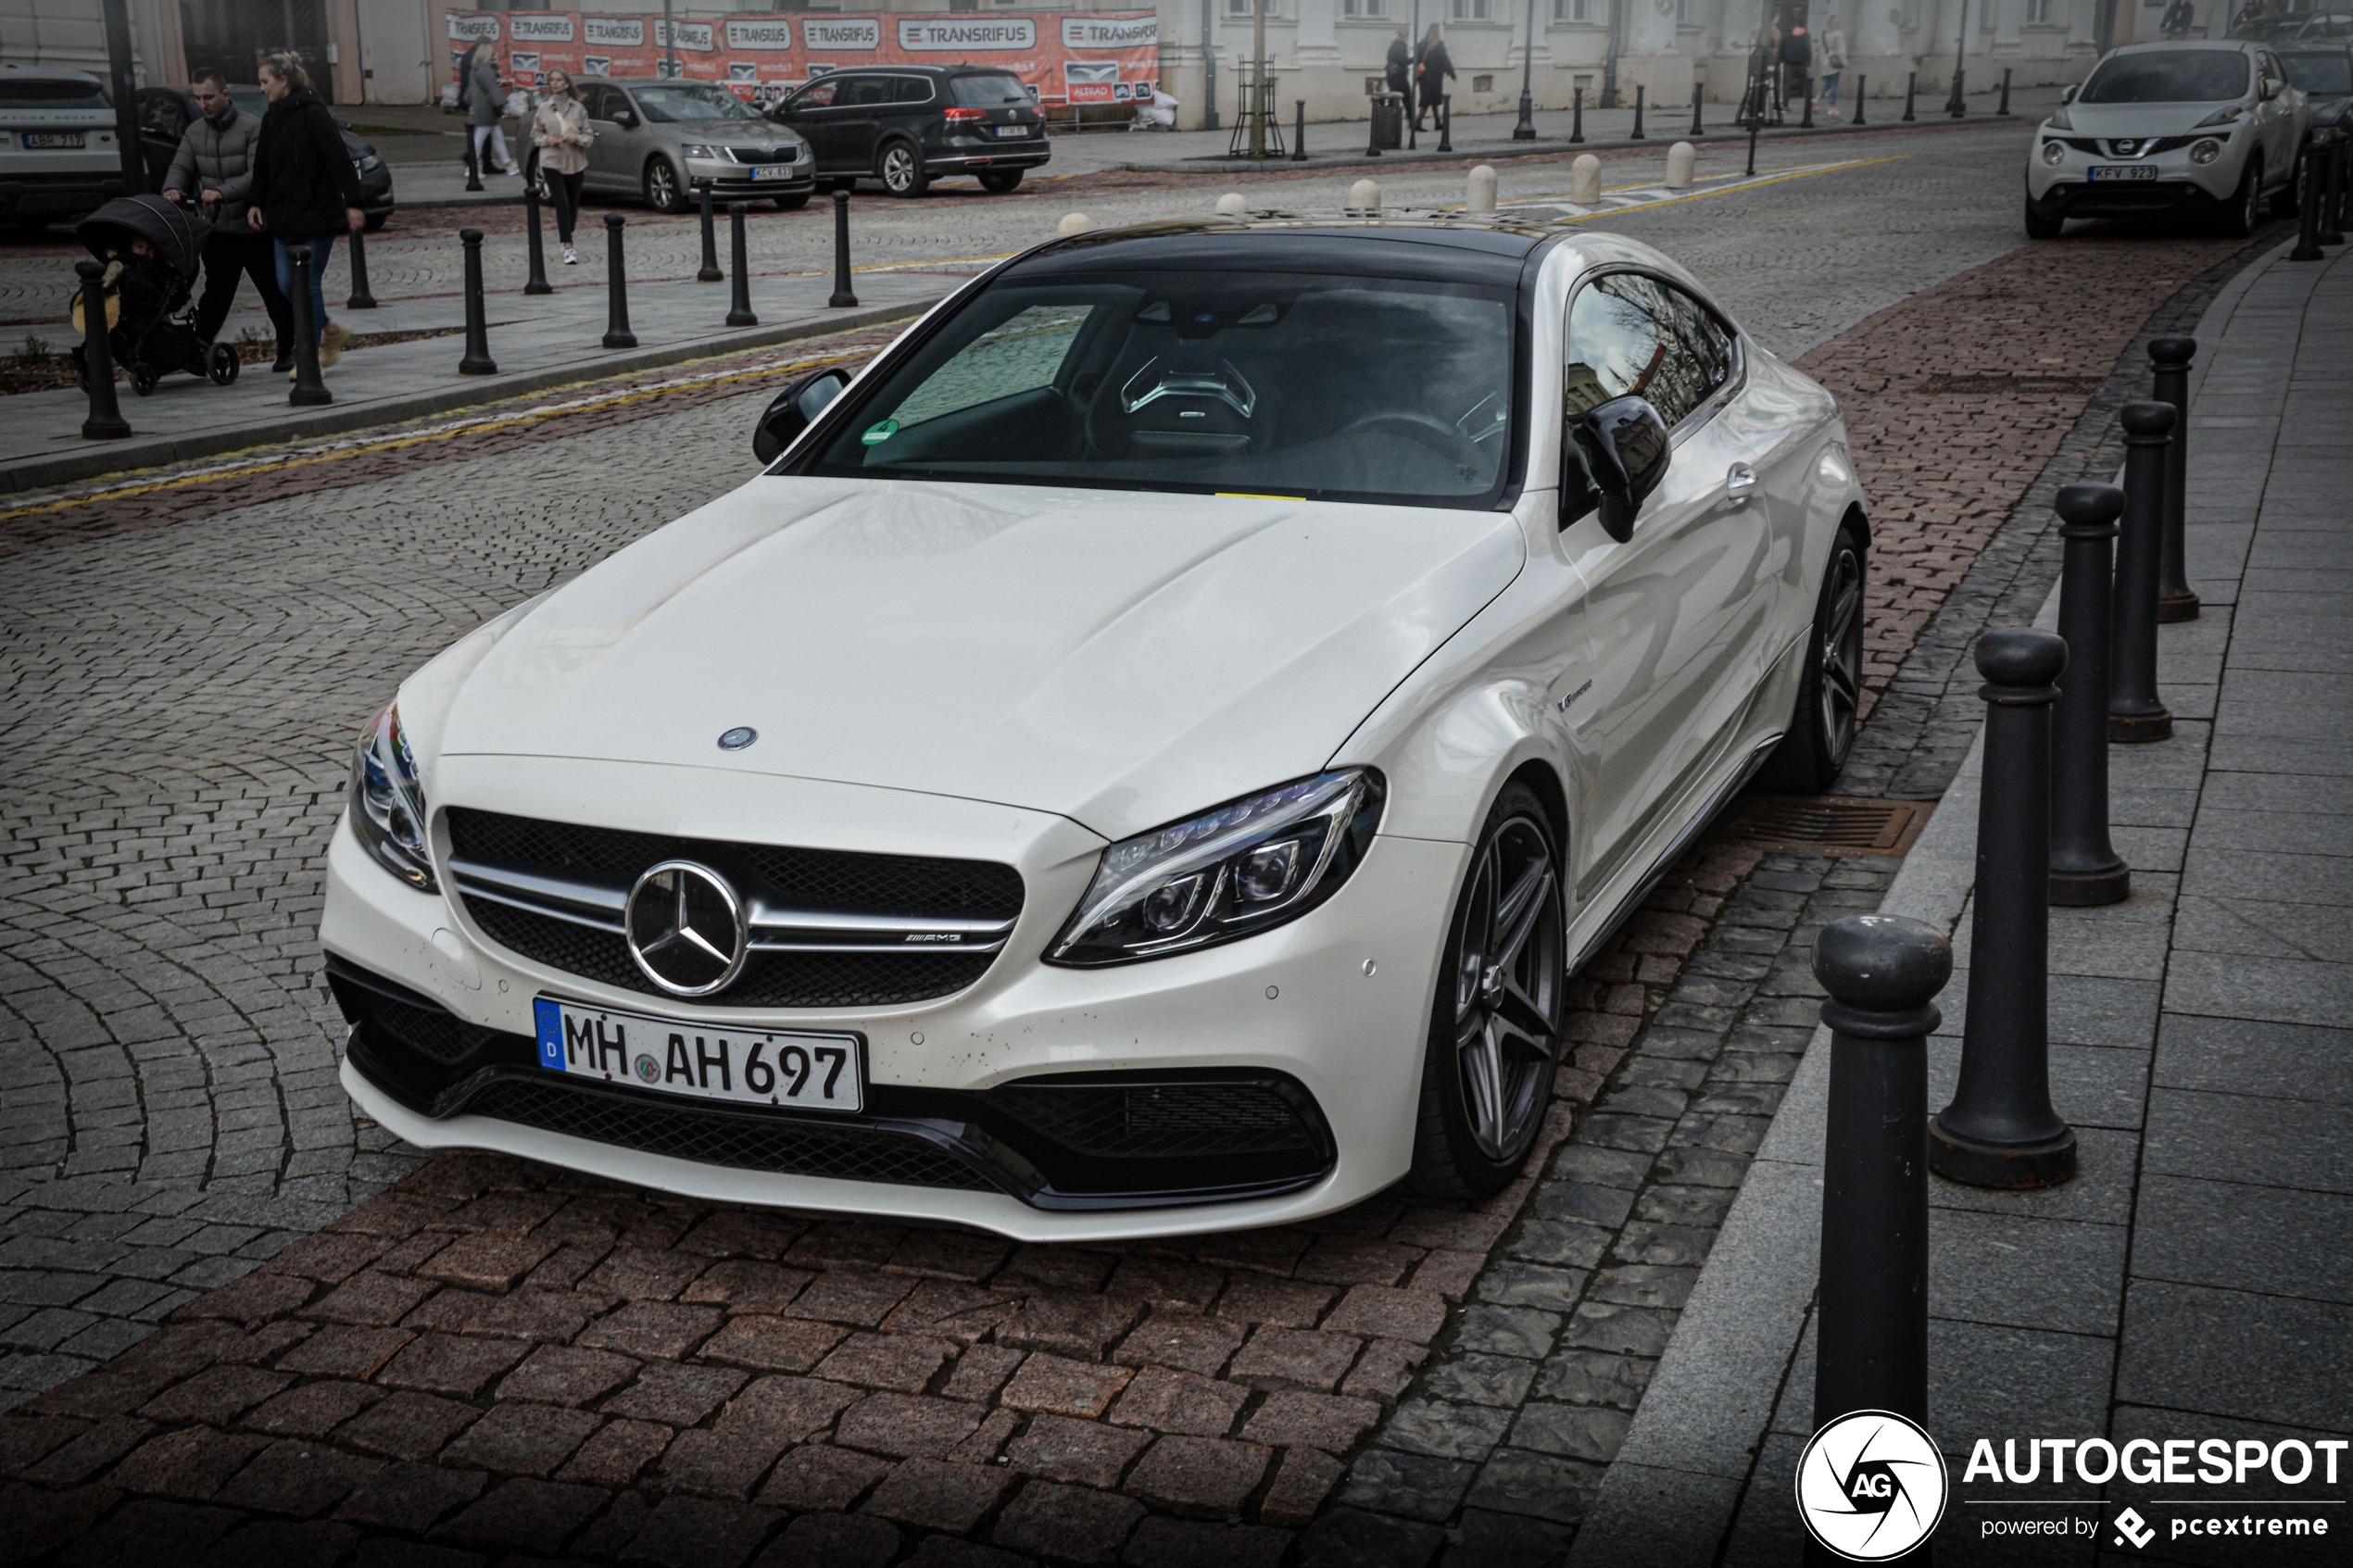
(2327, 76)
(2183, 76)
(691, 100)
(991, 89)
(1337, 387)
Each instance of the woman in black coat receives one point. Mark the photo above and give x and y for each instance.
(1435, 66)
(305, 190)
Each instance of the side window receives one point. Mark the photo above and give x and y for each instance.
(912, 90)
(597, 101)
(864, 91)
(162, 109)
(1630, 335)
(1021, 355)
(816, 95)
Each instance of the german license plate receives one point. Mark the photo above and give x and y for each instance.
(1005, 131)
(772, 171)
(2105, 172)
(744, 1066)
(54, 141)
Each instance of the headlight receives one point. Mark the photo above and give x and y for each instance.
(2054, 151)
(1224, 875)
(370, 162)
(2206, 151)
(388, 803)
(2229, 114)
(698, 149)
(2059, 121)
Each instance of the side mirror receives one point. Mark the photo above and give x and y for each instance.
(794, 410)
(625, 118)
(2067, 94)
(1623, 444)
(2271, 88)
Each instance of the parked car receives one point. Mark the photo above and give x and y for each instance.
(165, 114)
(2325, 77)
(2202, 129)
(908, 125)
(2296, 28)
(657, 140)
(1135, 764)
(58, 158)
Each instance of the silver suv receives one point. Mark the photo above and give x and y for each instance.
(660, 140)
(58, 157)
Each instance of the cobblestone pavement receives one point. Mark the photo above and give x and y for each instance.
(573, 1357)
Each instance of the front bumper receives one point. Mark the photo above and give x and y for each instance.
(730, 178)
(2178, 185)
(1295, 1008)
(44, 194)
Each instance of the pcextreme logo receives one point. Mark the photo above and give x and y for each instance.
(1871, 1486)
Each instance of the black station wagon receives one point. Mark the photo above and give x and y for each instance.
(908, 125)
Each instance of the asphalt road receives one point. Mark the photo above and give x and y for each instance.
(177, 706)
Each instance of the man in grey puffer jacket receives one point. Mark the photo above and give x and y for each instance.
(215, 162)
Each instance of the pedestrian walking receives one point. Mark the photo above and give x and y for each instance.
(305, 190)
(485, 100)
(1400, 72)
(214, 164)
(1432, 65)
(2179, 16)
(1798, 60)
(560, 131)
(1833, 66)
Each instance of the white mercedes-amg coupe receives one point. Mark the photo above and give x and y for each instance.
(1146, 757)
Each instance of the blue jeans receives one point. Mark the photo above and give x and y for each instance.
(1828, 92)
(321, 250)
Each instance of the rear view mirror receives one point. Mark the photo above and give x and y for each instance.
(1623, 444)
(625, 118)
(794, 410)
(2067, 94)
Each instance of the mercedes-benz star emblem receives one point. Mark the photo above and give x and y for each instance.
(737, 738)
(686, 928)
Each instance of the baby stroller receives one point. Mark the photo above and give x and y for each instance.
(152, 250)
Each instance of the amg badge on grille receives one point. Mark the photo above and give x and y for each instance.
(687, 928)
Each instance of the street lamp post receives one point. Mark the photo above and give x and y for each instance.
(1208, 66)
(1958, 105)
(1609, 61)
(1525, 130)
(1256, 107)
(669, 41)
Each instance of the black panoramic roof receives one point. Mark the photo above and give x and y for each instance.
(1435, 250)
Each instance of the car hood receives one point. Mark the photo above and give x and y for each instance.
(1121, 658)
(2136, 119)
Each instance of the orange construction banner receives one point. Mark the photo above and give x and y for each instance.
(1063, 57)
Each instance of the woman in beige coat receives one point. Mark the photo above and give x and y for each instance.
(559, 130)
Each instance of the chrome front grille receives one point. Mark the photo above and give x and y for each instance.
(826, 928)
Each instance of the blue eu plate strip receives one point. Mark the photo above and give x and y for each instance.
(551, 1020)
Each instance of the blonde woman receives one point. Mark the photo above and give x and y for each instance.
(305, 190)
(485, 100)
(562, 132)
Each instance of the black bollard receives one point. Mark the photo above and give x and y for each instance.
(617, 333)
(1372, 129)
(307, 387)
(2005, 110)
(1699, 91)
(2308, 219)
(708, 272)
(1446, 123)
(1861, 83)
(2085, 868)
(739, 306)
(360, 299)
(2135, 714)
(1299, 136)
(2340, 160)
(1958, 105)
(843, 299)
(1805, 85)
(1577, 114)
(1911, 92)
(2170, 362)
(104, 421)
(477, 361)
(538, 283)
(1756, 122)
(2326, 199)
(2000, 1130)
(1639, 89)
(473, 161)
(1882, 974)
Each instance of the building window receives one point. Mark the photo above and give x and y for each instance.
(1686, 13)
(1365, 10)
(1470, 10)
(2038, 12)
(1572, 10)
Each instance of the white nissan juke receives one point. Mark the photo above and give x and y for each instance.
(1146, 758)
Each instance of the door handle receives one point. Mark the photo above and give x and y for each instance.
(1740, 481)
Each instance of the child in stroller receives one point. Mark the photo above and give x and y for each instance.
(152, 250)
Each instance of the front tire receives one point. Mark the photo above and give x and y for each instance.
(1830, 695)
(663, 193)
(901, 168)
(1495, 1027)
(2041, 224)
(997, 182)
(793, 204)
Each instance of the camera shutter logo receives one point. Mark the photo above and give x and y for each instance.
(1871, 1486)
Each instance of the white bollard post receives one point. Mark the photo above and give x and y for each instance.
(1482, 189)
(1233, 204)
(1585, 181)
(1074, 224)
(1680, 157)
(1364, 196)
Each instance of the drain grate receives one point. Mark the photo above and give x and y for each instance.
(1830, 824)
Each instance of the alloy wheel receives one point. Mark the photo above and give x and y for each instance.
(1508, 988)
(1842, 683)
(661, 187)
(898, 170)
